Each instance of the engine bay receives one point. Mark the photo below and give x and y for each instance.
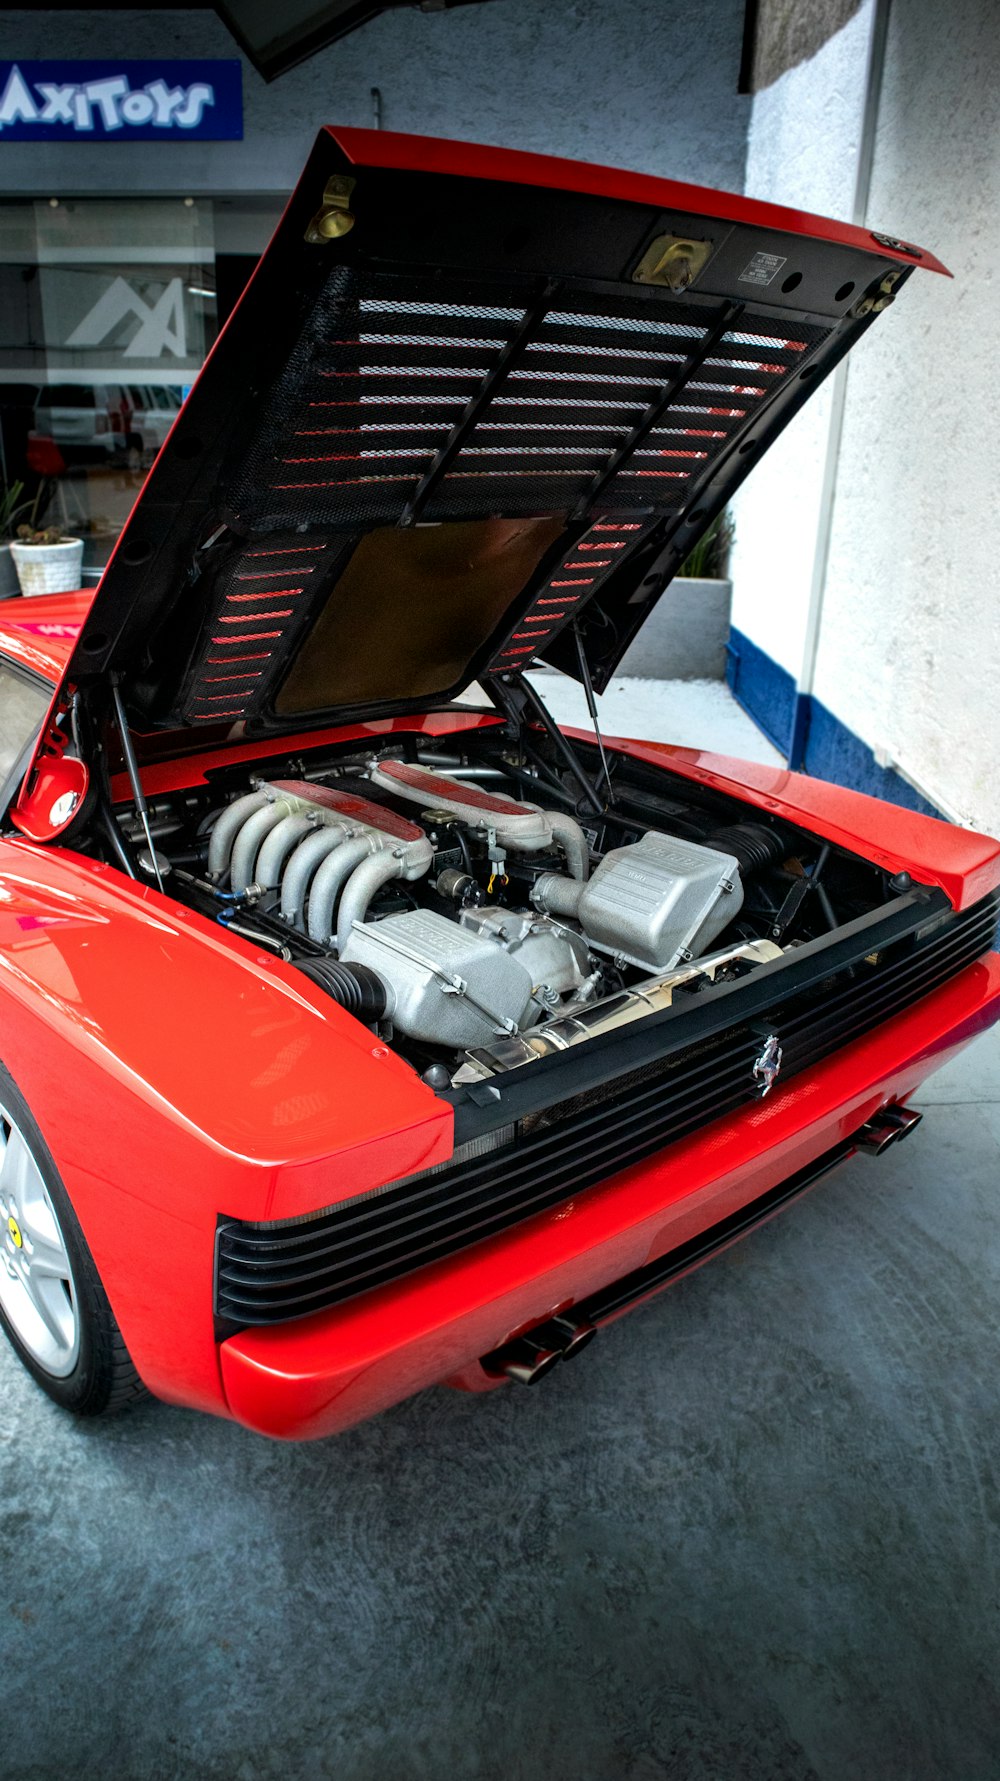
(463, 899)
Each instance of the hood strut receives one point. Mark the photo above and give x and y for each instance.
(132, 768)
(588, 687)
(514, 697)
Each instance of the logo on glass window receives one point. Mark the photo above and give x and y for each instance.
(162, 327)
(111, 101)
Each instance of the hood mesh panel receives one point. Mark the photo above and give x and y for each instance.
(381, 378)
(473, 405)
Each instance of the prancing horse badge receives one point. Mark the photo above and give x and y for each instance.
(768, 1064)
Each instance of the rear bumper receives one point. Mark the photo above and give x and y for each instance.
(319, 1375)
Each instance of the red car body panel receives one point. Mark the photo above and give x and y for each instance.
(276, 1103)
(40, 633)
(965, 865)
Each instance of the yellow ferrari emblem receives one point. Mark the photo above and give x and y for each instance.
(15, 1231)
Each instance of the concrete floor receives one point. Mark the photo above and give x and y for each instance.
(694, 713)
(752, 1535)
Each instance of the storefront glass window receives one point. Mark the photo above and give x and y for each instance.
(108, 309)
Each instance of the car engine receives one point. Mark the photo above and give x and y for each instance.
(481, 926)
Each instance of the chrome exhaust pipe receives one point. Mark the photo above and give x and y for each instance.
(579, 1023)
(525, 1361)
(889, 1126)
(574, 1332)
(528, 1358)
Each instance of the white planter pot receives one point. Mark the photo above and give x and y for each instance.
(8, 574)
(49, 568)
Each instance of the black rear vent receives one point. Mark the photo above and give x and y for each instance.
(270, 1273)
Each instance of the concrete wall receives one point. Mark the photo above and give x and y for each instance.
(802, 150)
(644, 85)
(909, 652)
(909, 639)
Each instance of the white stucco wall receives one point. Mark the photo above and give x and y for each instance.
(910, 645)
(802, 150)
(645, 85)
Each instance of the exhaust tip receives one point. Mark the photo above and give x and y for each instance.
(523, 1361)
(528, 1358)
(889, 1126)
(575, 1334)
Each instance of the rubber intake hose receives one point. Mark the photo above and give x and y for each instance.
(753, 845)
(571, 838)
(357, 988)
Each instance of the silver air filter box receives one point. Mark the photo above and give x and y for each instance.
(654, 904)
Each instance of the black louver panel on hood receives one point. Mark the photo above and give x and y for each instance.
(397, 410)
(558, 404)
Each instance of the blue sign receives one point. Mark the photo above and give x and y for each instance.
(121, 101)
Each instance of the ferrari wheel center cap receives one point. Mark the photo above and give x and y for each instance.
(14, 1230)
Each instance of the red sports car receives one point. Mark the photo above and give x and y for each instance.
(355, 1037)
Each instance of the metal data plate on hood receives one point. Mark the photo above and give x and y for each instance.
(469, 398)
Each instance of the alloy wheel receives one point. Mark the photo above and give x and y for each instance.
(37, 1290)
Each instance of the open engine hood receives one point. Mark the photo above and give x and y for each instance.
(470, 400)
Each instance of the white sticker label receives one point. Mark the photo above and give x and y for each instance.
(761, 269)
(63, 809)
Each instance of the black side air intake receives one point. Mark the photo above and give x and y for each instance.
(357, 988)
(751, 843)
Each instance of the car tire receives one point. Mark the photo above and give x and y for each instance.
(53, 1307)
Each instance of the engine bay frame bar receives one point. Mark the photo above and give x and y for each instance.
(503, 1099)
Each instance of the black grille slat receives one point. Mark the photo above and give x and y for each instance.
(877, 1005)
(519, 1198)
(851, 1006)
(240, 1290)
(521, 1162)
(337, 1287)
(271, 1273)
(479, 1169)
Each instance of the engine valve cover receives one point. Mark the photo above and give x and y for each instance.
(525, 828)
(325, 804)
(519, 825)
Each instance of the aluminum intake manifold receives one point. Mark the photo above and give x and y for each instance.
(523, 828)
(328, 850)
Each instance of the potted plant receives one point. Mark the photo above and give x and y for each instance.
(685, 636)
(46, 562)
(11, 508)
